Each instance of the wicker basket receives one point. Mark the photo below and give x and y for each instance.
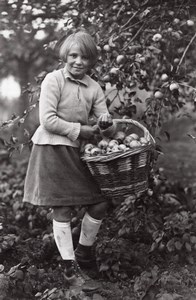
(121, 174)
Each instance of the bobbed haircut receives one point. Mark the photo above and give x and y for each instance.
(85, 42)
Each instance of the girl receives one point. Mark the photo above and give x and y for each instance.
(56, 176)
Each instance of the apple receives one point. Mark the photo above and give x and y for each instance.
(98, 48)
(134, 144)
(108, 150)
(176, 21)
(103, 144)
(176, 60)
(115, 148)
(122, 147)
(119, 136)
(95, 151)
(87, 151)
(164, 77)
(143, 141)
(176, 34)
(157, 37)
(106, 78)
(173, 86)
(150, 192)
(89, 146)
(114, 71)
(158, 95)
(127, 140)
(120, 59)
(171, 12)
(112, 143)
(190, 23)
(106, 48)
(134, 136)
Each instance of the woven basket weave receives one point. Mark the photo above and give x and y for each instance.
(121, 174)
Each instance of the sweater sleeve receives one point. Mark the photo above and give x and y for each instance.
(100, 108)
(99, 103)
(48, 103)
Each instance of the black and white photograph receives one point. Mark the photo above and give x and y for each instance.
(97, 150)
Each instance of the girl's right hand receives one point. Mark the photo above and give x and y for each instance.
(105, 121)
(87, 132)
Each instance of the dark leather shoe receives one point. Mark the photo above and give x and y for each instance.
(75, 277)
(84, 255)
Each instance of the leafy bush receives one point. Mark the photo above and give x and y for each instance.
(161, 223)
(143, 47)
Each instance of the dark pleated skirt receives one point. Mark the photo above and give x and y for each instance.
(56, 176)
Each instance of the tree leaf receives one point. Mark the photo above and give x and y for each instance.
(2, 268)
(188, 247)
(115, 267)
(193, 239)
(103, 268)
(178, 245)
(167, 135)
(170, 246)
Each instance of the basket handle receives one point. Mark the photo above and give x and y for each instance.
(147, 134)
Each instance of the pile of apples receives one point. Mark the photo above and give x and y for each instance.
(120, 142)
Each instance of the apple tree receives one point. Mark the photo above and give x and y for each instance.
(144, 47)
(25, 28)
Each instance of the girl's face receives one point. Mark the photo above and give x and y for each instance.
(77, 63)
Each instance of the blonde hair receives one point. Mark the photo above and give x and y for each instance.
(86, 43)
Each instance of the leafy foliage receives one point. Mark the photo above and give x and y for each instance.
(138, 241)
(144, 46)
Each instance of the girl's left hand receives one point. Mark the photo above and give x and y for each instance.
(105, 121)
(87, 132)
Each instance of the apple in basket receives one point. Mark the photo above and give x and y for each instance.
(123, 147)
(115, 148)
(109, 150)
(103, 144)
(134, 144)
(112, 143)
(95, 151)
(87, 148)
(127, 140)
(134, 136)
(119, 136)
(143, 141)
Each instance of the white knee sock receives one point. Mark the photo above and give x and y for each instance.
(89, 230)
(63, 239)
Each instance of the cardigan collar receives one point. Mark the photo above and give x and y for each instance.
(67, 74)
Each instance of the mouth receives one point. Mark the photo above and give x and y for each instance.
(76, 68)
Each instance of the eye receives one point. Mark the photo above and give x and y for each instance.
(85, 57)
(73, 55)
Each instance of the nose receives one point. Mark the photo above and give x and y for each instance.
(78, 60)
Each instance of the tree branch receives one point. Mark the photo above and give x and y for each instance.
(184, 53)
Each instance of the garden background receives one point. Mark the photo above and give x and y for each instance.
(146, 247)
